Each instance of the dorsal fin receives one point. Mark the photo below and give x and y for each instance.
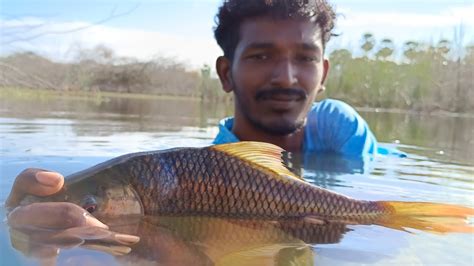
(265, 155)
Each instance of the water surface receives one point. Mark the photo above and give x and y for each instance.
(70, 135)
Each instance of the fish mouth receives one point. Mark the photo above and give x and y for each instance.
(89, 203)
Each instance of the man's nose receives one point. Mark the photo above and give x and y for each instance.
(284, 74)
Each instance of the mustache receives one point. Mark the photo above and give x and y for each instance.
(270, 93)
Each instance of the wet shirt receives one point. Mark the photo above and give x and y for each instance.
(332, 126)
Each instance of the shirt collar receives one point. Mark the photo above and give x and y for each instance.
(225, 134)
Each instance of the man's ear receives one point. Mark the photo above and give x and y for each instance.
(326, 66)
(325, 74)
(223, 68)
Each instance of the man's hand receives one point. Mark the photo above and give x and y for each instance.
(52, 215)
(41, 229)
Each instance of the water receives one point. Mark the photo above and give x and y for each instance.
(70, 135)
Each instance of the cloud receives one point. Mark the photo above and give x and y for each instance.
(58, 41)
(403, 26)
(451, 17)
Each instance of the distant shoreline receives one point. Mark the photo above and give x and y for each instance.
(28, 93)
(414, 112)
(46, 94)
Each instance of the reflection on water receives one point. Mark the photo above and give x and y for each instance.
(70, 135)
(205, 240)
(444, 137)
(121, 114)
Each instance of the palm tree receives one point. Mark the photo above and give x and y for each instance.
(386, 49)
(368, 43)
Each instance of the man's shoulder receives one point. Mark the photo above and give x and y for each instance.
(332, 112)
(332, 107)
(334, 125)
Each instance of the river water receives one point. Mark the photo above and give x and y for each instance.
(68, 135)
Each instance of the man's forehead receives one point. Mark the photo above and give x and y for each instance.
(267, 30)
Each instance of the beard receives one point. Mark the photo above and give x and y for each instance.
(279, 127)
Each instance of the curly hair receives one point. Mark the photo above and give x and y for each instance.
(233, 12)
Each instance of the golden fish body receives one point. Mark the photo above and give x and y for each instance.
(207, 181)
(238, 180)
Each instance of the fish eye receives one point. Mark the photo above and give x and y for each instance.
(89, 203)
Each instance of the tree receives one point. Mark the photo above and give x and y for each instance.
(368, 43)
(410, 50)
(386, 49)
(443, 47)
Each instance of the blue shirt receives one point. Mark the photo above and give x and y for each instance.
(331, 126)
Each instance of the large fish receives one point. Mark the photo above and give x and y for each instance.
(238, 180)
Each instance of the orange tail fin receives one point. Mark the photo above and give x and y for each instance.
(432, 217)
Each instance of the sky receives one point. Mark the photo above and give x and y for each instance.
(182, 29)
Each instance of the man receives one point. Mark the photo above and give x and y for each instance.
(273, 63)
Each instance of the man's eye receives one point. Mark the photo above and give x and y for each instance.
(259, 56)
(305, 58)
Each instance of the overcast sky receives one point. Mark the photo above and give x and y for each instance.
(183, 28)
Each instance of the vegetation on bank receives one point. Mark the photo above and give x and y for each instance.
(98, 72)
(423, 77)
(420, 77)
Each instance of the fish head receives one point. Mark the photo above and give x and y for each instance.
(99, 195)
(105, 198)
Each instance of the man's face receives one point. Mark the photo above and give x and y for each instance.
(277, 71)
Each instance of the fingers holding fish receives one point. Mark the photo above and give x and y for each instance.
(46, 244)
(52, 215)
(33, 181)
(64, 220)
(101, 235)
